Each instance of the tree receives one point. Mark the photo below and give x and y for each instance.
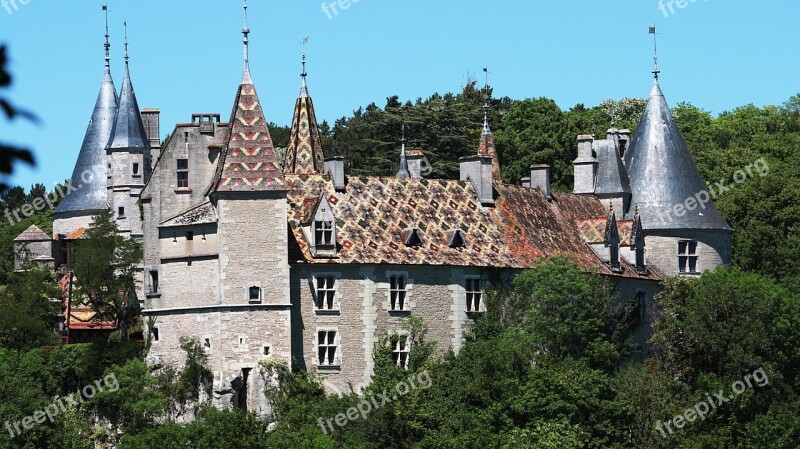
(9, 154)
(105, 264)
(29, 313)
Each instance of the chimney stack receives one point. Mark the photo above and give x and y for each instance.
(541, 178)
(334, 167)
(418, 164)
(478, 170)
(585, 166)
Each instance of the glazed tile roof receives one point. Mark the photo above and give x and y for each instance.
(373, 213)
(304, 155)
(487, 148)
(248, 162)
(592, 230)
(81, 315)
(374, 216)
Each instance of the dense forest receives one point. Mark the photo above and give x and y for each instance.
(545, 368)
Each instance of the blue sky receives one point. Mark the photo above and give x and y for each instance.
(186, 56)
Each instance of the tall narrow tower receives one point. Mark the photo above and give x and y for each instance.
(89, 176)
(128, 158)
(304, 156)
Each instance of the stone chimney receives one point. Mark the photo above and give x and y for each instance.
(541, 178)
(478, 170)
(624, 141)
(418, 164)
(585, 166)
(334, 167)
(525, 182)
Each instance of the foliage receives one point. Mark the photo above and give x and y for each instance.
(9, 154)
(105, 263)
(29, 312)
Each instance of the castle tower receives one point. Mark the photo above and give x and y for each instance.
(304, 156)
(89, 176)
(685, 232)
(128, 154)
(249, 194)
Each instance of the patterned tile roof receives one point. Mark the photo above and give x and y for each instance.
(592, 230)
(248, 162)
(304, 156)
(81, 315)
(487, 148)
(373, 213)
(374, 216)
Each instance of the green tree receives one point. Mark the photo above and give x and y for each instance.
(30, 304)
(105, 266)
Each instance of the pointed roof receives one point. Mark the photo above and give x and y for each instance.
(304, 156)
(402, 172)
(487, 145)
(128, 126)
(32, 234)
(611, 174)
(611, 234)
(663, 173)
(248, 162)
(89, 175)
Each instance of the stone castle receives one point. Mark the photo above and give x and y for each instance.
(294, 260)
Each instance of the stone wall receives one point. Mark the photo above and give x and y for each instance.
(713, 249)
(435, 293)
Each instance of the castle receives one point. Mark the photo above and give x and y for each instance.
(295, 260)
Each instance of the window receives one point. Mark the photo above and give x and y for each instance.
(189, 235)
(121, 212)
(327, 348)
(411, 237)
(326, 293)
(135, 169)
(183, 173)
(474, 294)
(323, 233)
(687, 256)
(267, 350)
(207, 342)
(615, 265)
(400, 350)
(154, 281)
(154, 332)
(254, 294)
(398, 293)
(641, 304)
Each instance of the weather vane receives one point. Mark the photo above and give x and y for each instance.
(656, 71)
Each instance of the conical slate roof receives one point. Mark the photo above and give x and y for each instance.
(248, 163)
(663, 173)
(128, 127)
(89, 175)
(304, 155)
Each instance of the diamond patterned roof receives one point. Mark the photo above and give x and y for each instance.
(487, 148)
(304, 156)
(248, 162)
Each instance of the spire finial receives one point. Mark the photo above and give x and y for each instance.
(610, 210)
(127, 58)
(403, 172)
(656, 71)
(246, 33)
(108, 43)
(303, 75)
(486, 128)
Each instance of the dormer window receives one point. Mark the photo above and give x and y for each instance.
(323, 234)
(456, 239)
(412, 237)
(320, 227)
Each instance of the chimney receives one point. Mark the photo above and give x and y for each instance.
(624, 141)
(540, 179)
(334, 167)
(478, 170)
(152, 126)
(526, 181)
(585, 166)
(418, 164)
